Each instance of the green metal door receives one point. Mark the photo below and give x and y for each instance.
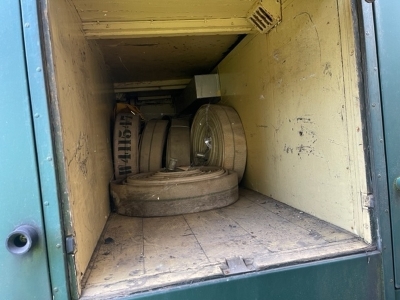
(23, 256)
(388, 45)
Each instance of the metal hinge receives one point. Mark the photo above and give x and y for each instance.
(368, 200)
(70, 244)
(237, 265)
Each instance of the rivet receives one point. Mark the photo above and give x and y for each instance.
(55, 290)
(39, 69)
(58, 246)
(375, 69)
(27, 25)
(367, 32)
(46, 203)
(373, 104)
(36, 115)
(49, 158)
(379, 175)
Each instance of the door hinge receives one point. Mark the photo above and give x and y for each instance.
(237, 265)
(70, 244)
(368, 200)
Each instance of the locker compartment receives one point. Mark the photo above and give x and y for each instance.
(304, 195)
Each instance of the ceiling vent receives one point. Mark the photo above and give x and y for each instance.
(265, 15)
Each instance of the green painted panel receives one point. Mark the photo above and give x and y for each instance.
(388, 43)
(44, 150)
(376, 147)
(24, 276)
(348, 278)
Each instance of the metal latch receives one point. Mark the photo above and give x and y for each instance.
(237, 265)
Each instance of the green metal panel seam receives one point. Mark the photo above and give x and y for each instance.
(388, 43)
(376, 145)
(355, 277)
(44, 149)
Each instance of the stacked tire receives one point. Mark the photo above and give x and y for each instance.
(202, 164)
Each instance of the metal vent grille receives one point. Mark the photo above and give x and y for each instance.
(262, 19)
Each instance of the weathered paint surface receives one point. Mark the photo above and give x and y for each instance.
(296, 92)
(21, 202)
(85, 103)
(350, 278)
(387, 36)
(122, 10)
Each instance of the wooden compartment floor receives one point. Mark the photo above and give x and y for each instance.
(139, 254)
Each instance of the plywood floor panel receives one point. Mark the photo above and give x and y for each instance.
(139, 254)
(315, 226)
(269, 228)
(164, 239)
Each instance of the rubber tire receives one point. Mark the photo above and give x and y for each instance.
(126, 145)
(143, 196)
(152, 146)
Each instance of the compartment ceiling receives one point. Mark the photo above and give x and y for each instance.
(164, 58)
(153, 41)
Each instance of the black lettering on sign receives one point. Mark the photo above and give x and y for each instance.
(124, 142)
(124, 170)
(126, 134)
(124, 157)
(126, 120)
(124, 148)
(124, 145)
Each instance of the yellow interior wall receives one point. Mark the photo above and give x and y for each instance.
(85, 102)
(296, 92)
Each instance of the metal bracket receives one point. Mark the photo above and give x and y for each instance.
(237, 265)
(70, 244)
(368, 200)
